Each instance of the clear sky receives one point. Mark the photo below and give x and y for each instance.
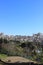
(21, 17)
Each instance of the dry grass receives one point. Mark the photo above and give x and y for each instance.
(14, 59)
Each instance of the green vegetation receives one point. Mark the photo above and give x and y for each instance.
(2, 56)
(30, 50)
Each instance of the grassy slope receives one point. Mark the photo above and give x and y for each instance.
(2, 56)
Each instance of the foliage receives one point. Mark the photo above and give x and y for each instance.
(3, 56)
(24, 49)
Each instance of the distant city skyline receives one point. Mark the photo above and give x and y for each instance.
(21, 17)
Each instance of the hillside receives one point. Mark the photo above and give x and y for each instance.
(25, 46)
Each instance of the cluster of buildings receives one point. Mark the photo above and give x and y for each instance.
(34, 38)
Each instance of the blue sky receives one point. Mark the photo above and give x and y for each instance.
(21, 17)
